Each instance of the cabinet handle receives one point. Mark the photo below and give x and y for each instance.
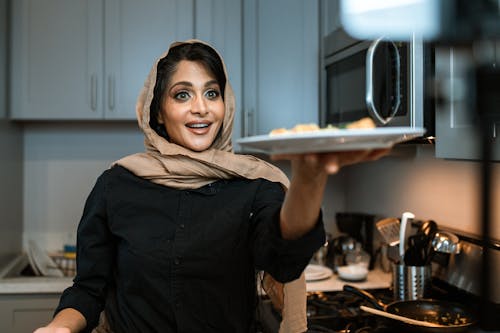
(247, 126)
(111, 92)
(93, 92)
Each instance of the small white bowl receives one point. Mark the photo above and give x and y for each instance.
(352, 272)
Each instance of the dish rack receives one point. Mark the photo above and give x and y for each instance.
(66, 262)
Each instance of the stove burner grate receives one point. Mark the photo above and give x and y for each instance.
(339, 312)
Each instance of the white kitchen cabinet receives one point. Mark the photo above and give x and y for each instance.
(21, 313)
(281, 64)
(88, 59)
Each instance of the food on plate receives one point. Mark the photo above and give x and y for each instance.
(297, 129)
(300, 128)
(365, 122)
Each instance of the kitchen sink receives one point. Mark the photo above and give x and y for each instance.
(18, 267)
(18, 277)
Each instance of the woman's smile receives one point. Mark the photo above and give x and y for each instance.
(199, 128)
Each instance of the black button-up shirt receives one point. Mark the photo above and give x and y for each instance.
(160, 259)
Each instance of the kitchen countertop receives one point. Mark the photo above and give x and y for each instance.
(12, 282)
(43, 285)
(376, 279)
(34, 285)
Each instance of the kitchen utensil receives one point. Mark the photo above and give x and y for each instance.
(446, 242)
(389, 229)
(415, 254)
(411, 282)
(403, 233)
(441, 316)
(429, 228)
(397, 317)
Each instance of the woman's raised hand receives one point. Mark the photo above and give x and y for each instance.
(53, 330)
(329, 163)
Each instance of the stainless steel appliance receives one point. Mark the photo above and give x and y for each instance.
(360, 227)
(455, 279)
(381, 79)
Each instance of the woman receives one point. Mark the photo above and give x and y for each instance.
(170, 239)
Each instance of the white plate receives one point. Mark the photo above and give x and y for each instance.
(32, 262)
(317, 272)
(42, 262)
(330, 140)
(352, 272)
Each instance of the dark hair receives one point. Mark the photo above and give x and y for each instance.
(167, 66)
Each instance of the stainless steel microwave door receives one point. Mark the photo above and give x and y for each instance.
(384, 81)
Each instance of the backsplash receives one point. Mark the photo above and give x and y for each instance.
(63, 161)
(61, 164)
(446, 191)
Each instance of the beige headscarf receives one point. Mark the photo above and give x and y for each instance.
(172, 165)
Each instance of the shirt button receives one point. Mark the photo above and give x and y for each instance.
(177, 261)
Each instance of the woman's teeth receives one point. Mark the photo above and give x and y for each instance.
(197, 125)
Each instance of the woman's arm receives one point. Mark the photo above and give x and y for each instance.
(304, 197)
(66, 321)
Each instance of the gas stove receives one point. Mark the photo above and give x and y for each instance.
(456, 278)
(335, 311)
(340, 312)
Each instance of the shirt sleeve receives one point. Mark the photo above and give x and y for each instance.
(283, 259)
(95, 256)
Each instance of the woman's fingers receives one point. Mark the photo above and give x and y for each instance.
(332, 162)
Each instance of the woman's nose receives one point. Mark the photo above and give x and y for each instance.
(199, 106)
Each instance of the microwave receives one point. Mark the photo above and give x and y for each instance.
(382, 79)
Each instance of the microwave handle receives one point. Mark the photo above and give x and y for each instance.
(372, 109)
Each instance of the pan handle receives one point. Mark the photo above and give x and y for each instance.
(366, 295)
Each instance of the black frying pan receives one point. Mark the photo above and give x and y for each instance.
(448, 317)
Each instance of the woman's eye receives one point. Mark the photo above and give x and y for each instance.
(212, 94)
(182, 95)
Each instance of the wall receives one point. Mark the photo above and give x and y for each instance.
(446, 191)
(11, 222)
(61, 164)
(334, 195)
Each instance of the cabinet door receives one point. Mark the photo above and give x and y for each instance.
(281, 58)
(56, 59)
(219, 22)
(26, 312)
(457, 135)
(136, 34)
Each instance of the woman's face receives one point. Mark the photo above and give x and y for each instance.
(192, 109)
